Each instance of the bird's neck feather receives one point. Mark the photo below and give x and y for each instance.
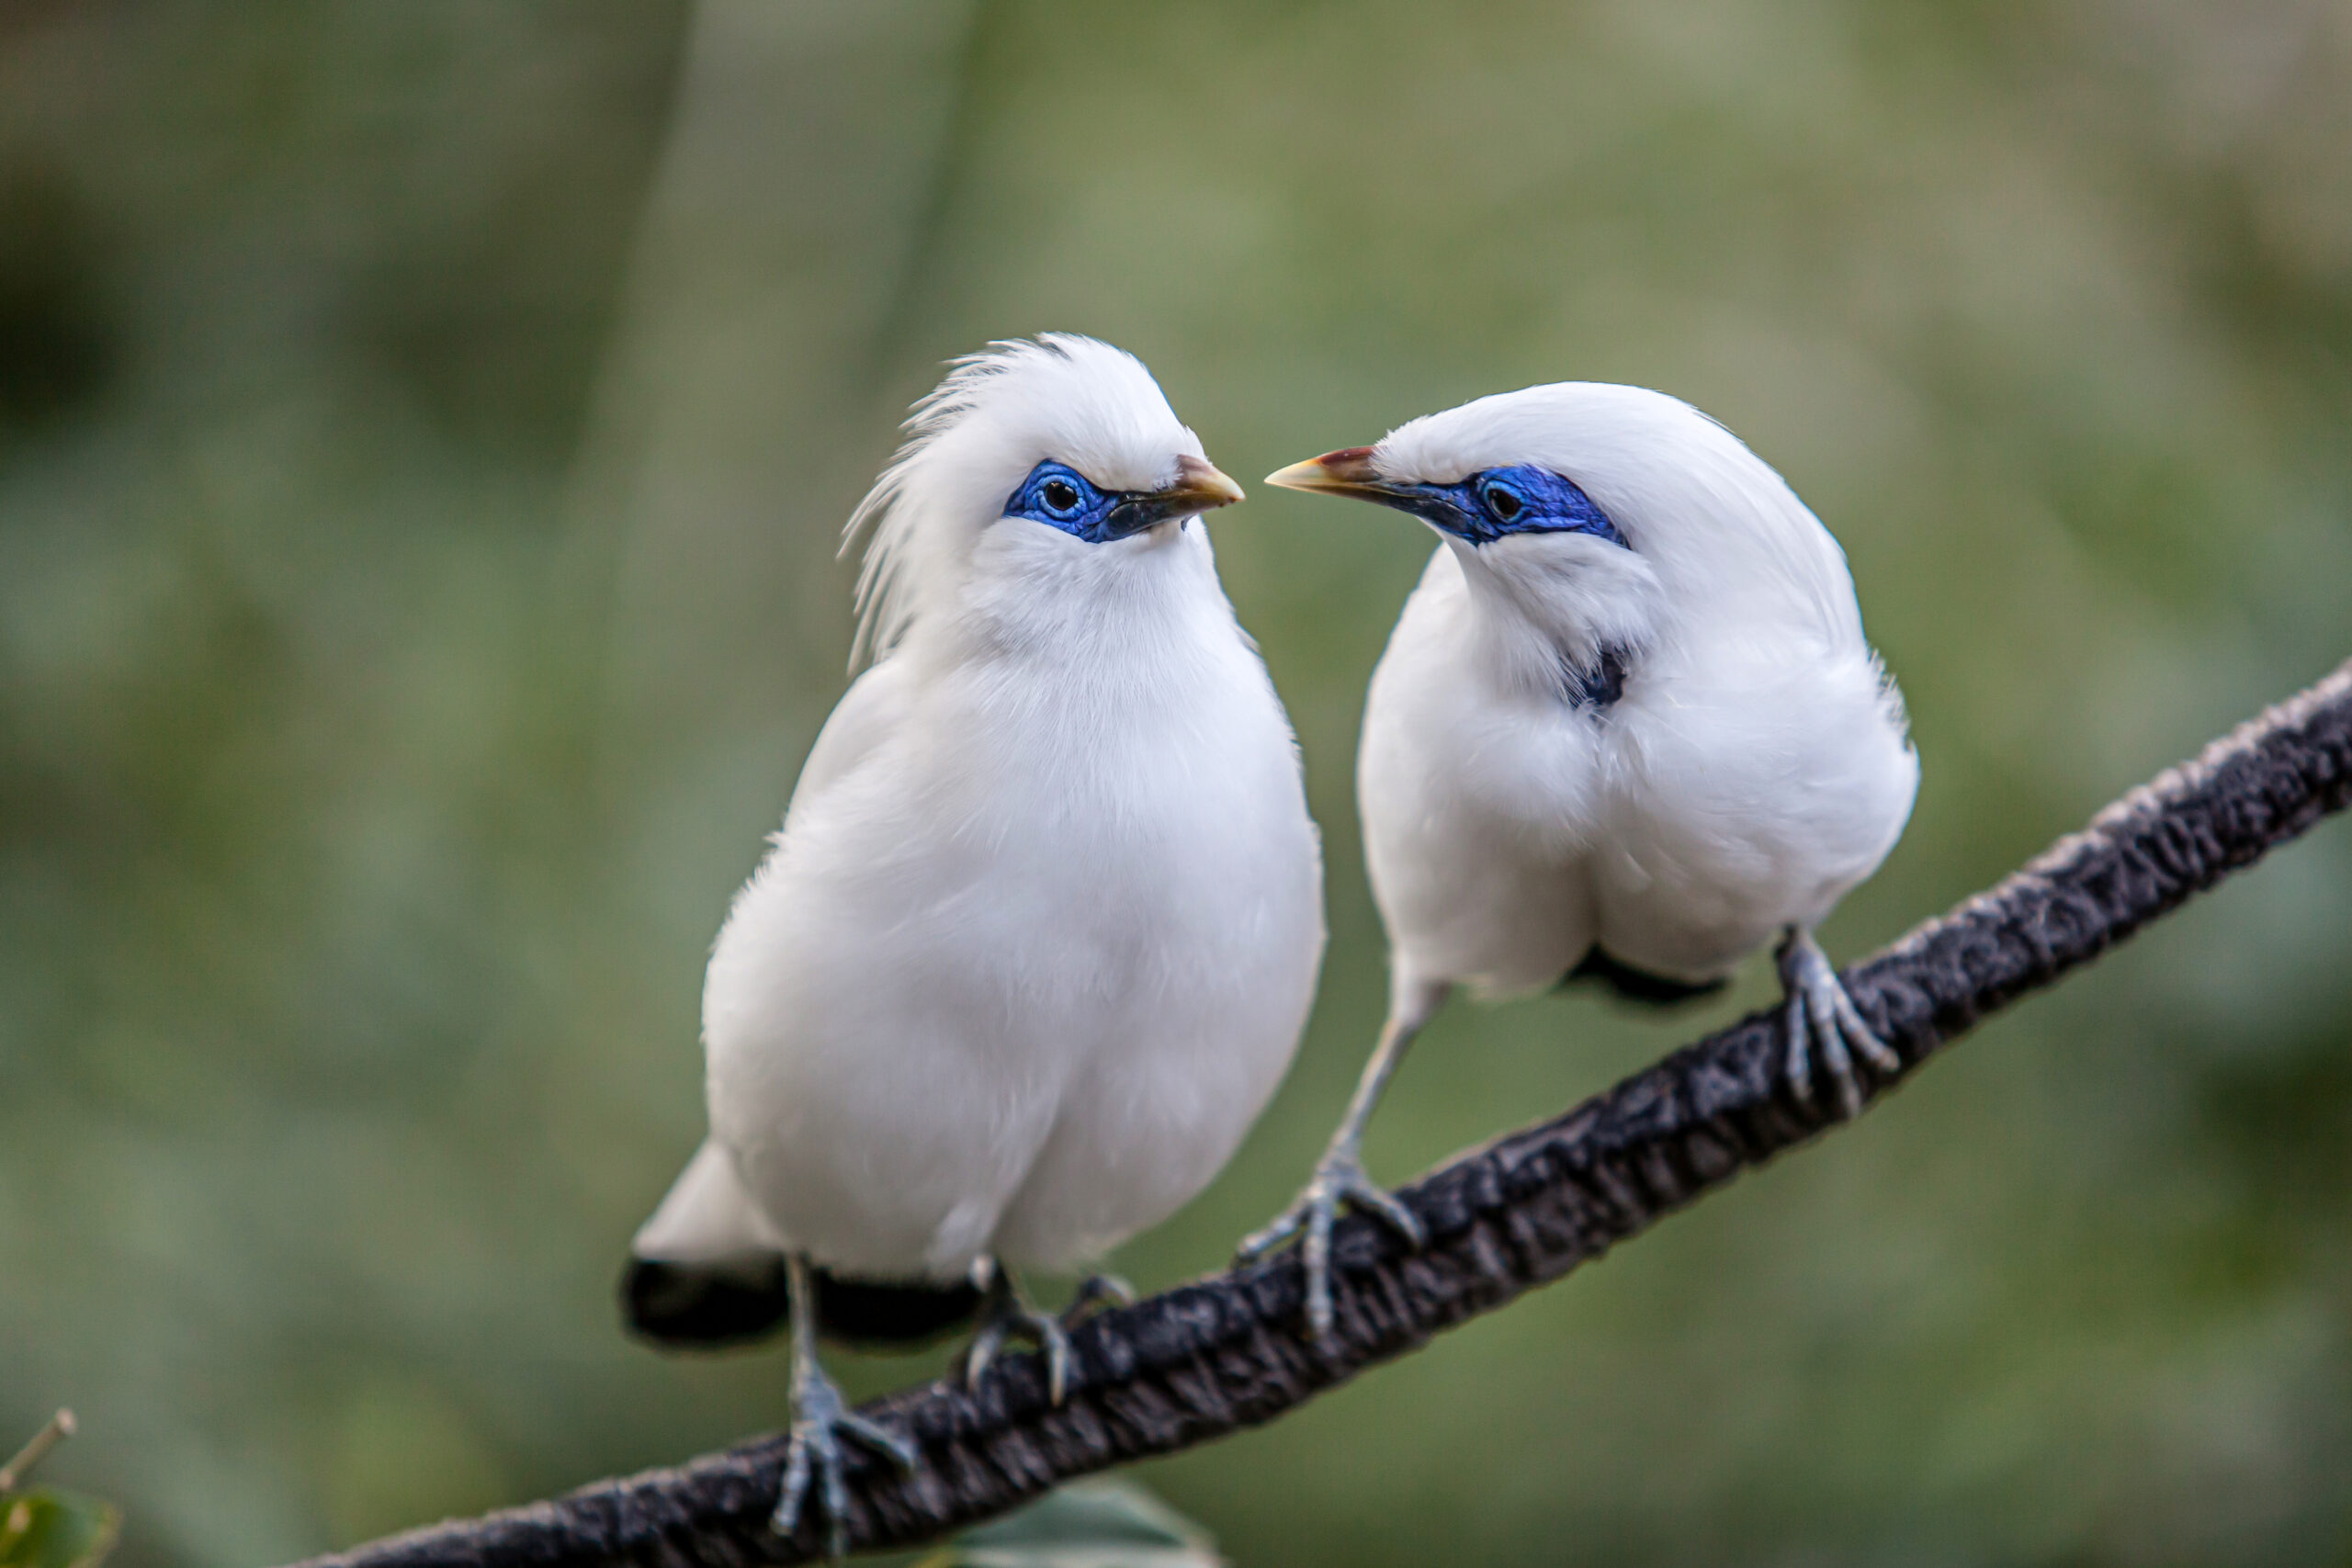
(1545, 609)
(1029, 593)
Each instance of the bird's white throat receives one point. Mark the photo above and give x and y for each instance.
(1030, 590)
(1540, 603)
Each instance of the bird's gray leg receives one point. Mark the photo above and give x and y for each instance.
(1005, 1312)
(819, 1420)
(1340, 1177)
(1823, 1020)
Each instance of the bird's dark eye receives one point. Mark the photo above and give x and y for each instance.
(1060, 495)
(1502, 501)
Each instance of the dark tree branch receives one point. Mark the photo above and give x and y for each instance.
(1226, 1352)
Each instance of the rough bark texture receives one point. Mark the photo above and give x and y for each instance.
(1207, 1358)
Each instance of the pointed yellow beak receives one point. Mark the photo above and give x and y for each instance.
(1199, 487)
(1348, 471)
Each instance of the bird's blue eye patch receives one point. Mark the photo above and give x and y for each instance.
(1060, 497)
(1521, 498)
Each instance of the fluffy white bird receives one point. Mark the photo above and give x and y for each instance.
(1041, 930)
(1627, 728)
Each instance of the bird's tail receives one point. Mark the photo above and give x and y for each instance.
(706, 1272)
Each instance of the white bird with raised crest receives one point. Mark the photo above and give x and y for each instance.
(1627, 728)
(1040, 931)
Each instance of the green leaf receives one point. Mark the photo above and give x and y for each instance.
(1088, 1524)
(56, 1529)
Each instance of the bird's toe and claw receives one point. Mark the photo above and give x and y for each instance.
(1006, 1314)
(1823, 1024)
(1339, 1181)
(1096, 1293)
(815, 1458)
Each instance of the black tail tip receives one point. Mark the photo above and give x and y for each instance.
(709, 1305)
(704, 1304)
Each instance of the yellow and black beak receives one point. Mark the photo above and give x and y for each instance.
(1348, 471)
(1200, 487)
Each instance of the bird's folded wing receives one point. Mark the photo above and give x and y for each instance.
(706, 1217)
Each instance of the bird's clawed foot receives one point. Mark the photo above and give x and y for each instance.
(1005, 1312)
(820, 1420)
(1823, 1023)
(1095, 1293)
(1339, 1180)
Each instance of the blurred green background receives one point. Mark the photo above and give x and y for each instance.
(424, 431)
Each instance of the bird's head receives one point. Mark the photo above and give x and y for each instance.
(1604, 516)
(1030, 458)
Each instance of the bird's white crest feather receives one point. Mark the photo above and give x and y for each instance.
(969, 442)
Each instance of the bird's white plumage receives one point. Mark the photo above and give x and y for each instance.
(1041, 929)
(1755, 769)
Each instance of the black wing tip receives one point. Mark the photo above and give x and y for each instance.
(1634, 984)
(741, 1300)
